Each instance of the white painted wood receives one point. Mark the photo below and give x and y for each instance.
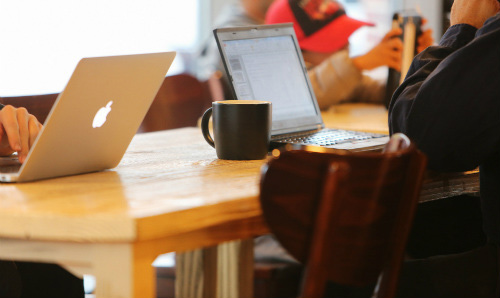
(77, 257)
(113, 269)
(111, 264)
(227, 273)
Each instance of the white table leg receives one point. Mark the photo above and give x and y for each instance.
(113, 271)
(121, 270)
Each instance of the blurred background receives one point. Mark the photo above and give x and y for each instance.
(42, 41)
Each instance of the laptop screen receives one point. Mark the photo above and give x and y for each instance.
(265, 64)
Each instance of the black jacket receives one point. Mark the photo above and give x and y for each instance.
(449, 104)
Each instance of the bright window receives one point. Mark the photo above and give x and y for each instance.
(42, 41)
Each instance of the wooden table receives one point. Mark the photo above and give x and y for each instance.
(169, 193)
(357, 116)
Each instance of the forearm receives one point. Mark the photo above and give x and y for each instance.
(369, 90)
(334, 79)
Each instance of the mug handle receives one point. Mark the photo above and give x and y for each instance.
(204, 127)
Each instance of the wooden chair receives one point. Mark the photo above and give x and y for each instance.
(180, 102)
(38, 105)
(345, 216)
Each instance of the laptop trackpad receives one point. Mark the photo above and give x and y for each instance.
(363, 145)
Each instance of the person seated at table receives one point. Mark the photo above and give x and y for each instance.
(18, 131)
(323, 30)
(449, 105)
(240, 13)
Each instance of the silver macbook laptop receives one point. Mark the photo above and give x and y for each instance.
(95, 118)
(265, 63)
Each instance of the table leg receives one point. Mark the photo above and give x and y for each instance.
(189, 274)
(228, 273)
(113, 270)
(210, 259)
(246, 268)
(227, 270)
(120, 270)
(235, 270)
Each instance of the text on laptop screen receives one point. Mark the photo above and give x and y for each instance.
(269, 69)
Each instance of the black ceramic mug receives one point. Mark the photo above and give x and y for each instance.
(241, 128)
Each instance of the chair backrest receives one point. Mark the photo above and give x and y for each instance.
(345, 216)
(180, 102)
(38, 105)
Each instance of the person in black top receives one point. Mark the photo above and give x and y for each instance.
(449, 104)
(18, 131)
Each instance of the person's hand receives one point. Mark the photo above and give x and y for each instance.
(387, 53)
(473, 12)
(425, 39)
(18, 131)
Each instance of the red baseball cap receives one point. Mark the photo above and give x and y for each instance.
(320, 25)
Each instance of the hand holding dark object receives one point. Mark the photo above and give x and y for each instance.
(386, 53)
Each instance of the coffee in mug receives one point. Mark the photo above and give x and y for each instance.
(242, 128)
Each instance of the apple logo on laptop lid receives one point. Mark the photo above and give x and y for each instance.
(100, 116)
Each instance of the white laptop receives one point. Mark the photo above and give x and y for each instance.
(265, 63)
(95, 118)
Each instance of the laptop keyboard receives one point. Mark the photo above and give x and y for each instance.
(9, 165)
(326, 137)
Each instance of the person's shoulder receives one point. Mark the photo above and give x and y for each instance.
(491, 25)
(234, 15)
(458, 36)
